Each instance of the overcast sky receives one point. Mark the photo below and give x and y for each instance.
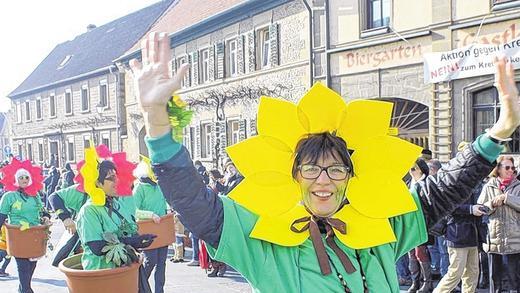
(30, 29)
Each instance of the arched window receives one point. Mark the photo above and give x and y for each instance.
(486, 109)
(411, 120)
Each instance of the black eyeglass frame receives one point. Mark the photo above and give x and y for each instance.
(347, 173)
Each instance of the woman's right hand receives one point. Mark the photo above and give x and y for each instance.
(153, 83)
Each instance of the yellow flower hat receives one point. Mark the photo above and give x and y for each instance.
(90, 173)
(375, 193)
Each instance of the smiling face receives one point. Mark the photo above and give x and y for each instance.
(322, 195)
(506, 169)
(23, 181)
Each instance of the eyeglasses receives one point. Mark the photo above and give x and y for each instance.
(23, 177)
(335, 172)
(513, 168)
(112, 178)
(413, 169)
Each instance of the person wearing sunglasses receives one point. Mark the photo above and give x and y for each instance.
(316, 165)
(501, 194)
(22, 206)
(114, 216)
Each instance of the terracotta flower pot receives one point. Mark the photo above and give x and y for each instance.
(165, 231)
(30, 243)
(122, 279)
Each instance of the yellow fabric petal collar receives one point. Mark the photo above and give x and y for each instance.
(375, 193)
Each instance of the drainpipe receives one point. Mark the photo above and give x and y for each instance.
(311, 41)
(118, 111)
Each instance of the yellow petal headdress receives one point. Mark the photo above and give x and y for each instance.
(90, 173)
(375, 193)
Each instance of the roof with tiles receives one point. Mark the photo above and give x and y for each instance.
(189, 12)
(93, 50)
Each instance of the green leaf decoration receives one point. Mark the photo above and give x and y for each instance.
(179, 117)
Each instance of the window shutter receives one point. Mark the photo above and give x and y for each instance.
(222, 136)
(195, 68)
(211, 65)
(187, 77)
(240, 54)
(213, 141)
(250, 49)
(197, 150)
(273, 35)
(220, 60)
(242, 130)
(252, 127)
(174, 65)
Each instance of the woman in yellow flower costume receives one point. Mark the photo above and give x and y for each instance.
(106, 224)
(23, 207)
(322, 207)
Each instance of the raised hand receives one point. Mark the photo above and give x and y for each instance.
(509, 118)
(153, 82)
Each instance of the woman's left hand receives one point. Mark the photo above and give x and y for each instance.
(156, 219)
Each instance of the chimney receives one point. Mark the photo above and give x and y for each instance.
(90, 27)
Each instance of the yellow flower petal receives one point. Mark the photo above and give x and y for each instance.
(24, 225)
(364, 119)
(259, 154)
(279, 119)
(384, 156)
(321, 108)
(265, 199)
(362, 231)
(90, 174)
(376, 197)
(277, 229)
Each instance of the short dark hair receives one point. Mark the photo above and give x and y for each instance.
(314, 146)
(104, 167)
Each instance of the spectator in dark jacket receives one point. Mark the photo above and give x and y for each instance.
(51, 182)
(68, 177)
(202, 171)
(465, 231)
(233, 177)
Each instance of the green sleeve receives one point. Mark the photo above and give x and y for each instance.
(89, 225)
(138, 195)
(5, 203)
(72, 199)
(236, 248)
(162, 148)
(487, 148)
(410, 229)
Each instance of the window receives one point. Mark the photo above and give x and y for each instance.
(20, 150)
(205, 141)
(233, 132)
(232, 62)
(29, 151)
(319, 27)
(68, 102)
(65, 61)
(18, 113)
(52, 105)
(40, 151)
(86, 141)
(38, 108)
(204, 66)
(485, 113)
(84, 98)
(105, 139)
(27, 111)
(103, 94)
(505, 4)
(378, 12)
(263, 48)
(70, 149)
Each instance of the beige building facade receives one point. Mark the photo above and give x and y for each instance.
(374, 49)
(231, 66)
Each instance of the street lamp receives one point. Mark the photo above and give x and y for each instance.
(100, 108)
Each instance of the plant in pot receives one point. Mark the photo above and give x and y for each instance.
(123, 278)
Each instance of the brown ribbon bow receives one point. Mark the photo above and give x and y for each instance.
(319, 247)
